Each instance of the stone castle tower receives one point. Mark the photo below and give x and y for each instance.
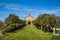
(29, 19)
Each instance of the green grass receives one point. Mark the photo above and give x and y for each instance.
(0, 38)
(29, 32)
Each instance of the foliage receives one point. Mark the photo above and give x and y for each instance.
(12, 18)
(1, 23)
(47, 21)
(29, 32)
(11, 22)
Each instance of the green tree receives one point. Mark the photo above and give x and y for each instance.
(46, 21)
(12, 18)
(1, 23)
(11, 22)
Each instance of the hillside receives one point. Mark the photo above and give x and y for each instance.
(29, 32)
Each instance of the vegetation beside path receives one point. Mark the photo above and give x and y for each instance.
(29, 32)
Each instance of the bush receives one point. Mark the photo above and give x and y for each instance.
(12, 28)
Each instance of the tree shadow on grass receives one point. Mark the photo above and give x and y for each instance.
(55, 37)
(14, 28)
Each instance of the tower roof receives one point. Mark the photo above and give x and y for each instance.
(29, 14)
(29, 17)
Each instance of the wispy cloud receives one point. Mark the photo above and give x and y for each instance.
(16, 7)
(25, 8)
(22, 10)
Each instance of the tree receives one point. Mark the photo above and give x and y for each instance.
(11, 22)
(12, 18)
(1, 23)
(46, 21)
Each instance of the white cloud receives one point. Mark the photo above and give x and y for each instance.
(2, 13)
(23, 10)
(16, 7)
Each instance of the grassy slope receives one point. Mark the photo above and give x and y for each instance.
(29, 32)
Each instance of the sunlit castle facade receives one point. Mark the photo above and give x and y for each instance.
(29, 19)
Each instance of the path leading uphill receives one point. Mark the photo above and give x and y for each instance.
(29, 32)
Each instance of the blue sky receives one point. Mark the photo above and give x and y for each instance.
(22, 7)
